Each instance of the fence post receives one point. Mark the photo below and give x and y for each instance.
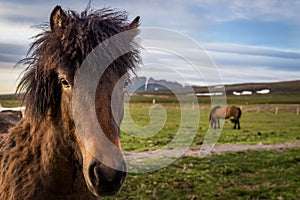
(276, 110)
(298, 111)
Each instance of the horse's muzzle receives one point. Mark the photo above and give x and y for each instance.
(105, 180)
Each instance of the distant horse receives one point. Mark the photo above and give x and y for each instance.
(43, 157)
(225, 112)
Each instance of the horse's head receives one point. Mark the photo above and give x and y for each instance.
(58, 55)
(78, 41)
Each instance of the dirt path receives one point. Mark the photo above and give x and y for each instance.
(164, 154)
(223, 148)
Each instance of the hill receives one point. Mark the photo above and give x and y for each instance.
(279, 93)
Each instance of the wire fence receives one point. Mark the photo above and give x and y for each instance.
(274, 109)
(264, 108)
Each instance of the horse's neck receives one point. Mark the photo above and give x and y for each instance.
(60, 160)
(57, 158)
(20, 166)
(44, 154)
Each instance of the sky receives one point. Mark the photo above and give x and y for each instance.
(234, 41)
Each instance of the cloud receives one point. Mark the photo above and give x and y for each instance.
(8, 77)
(239, 63)
(267, 10)
(243, 57)
(252, 50)
(12, 52)
(236, 63)
(20, 13)
(251, 74)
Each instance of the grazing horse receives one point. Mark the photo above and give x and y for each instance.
(43, 157)
(225, 112)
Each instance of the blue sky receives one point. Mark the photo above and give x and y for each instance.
(249, 41)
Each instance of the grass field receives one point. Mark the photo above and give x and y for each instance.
(244, 175)
(257, 127)
(10, 100)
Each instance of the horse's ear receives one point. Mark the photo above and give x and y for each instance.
(134, 26)
(57, 18)
(135, 23)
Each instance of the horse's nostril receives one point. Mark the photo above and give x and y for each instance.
(104, 180)
(100, 174)
(93, 174)
(109, 174)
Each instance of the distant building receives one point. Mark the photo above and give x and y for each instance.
(242, 93)
(263, 91)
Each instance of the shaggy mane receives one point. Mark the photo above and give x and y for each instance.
(66, 48)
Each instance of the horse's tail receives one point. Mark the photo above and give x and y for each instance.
(213, 112)
(210, 115)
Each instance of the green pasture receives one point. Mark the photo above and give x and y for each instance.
(257, 126)
(243, 175)
(10, 100)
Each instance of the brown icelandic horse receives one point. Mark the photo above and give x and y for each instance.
(43, 157)
(225, 112)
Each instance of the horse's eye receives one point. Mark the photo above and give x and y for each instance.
(64, 82)
(126, 85)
